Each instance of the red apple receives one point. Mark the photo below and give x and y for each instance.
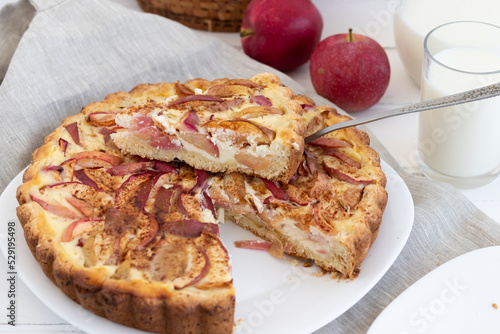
(281, 33)
(350, 70)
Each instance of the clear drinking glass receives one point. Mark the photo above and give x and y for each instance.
(413, 19)
(460, 144)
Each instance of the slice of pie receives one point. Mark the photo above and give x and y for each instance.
(136, 240)
(240, 125)
(329, 212)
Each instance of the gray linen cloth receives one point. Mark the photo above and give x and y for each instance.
(59, 55)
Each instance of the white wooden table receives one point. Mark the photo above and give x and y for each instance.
(399, 135)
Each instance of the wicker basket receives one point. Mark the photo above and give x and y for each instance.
(215, 15)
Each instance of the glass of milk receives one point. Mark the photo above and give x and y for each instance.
(461, 144)
(413, 19)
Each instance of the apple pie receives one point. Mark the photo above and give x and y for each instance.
(136, 240)
(239, 125)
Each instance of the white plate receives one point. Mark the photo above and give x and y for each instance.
(457, 297)
(273, 296)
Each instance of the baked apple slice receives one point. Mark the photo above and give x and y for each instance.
(257, 111)
(197, 267)
(201, 141)
(240, 132)
(217, 273)
(181, 262)
(79, 227)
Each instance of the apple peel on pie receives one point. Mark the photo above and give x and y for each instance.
(135, 239)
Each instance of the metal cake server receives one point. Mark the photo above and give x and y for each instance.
(445, 101)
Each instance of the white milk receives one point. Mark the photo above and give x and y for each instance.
(415, 18)
(461, 141)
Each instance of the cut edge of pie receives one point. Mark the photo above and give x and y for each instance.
(331, 210)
